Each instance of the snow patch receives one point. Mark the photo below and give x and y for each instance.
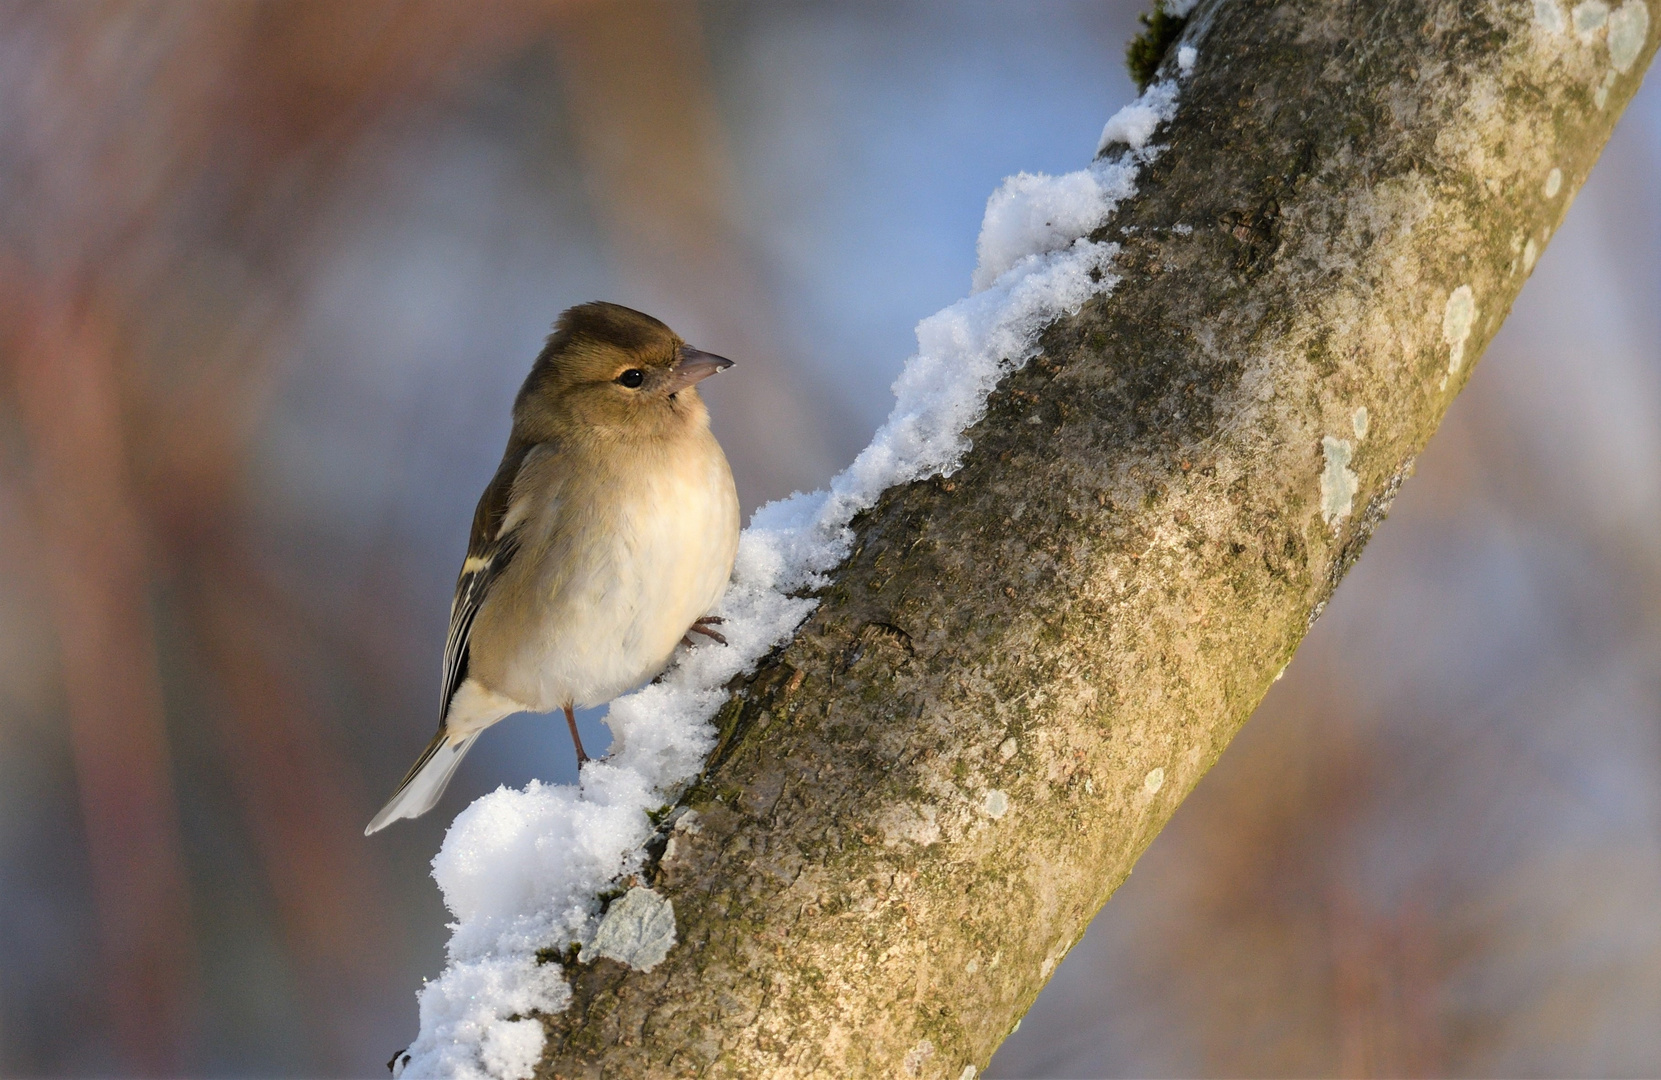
(1154, 780)
(1359, 421)
(522, 871)
(1554, 183)
(1134, 124)
(1549, 16)
(473, 1001)
(996, 804)
(1338, 483)
(1032, 213)
(638, 930)
(1186, 55)
(1531, 252)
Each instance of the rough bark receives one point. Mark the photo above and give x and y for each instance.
(918, 805)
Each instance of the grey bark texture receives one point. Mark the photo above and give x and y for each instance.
(918, 805)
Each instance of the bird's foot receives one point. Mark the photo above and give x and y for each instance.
(702, 626)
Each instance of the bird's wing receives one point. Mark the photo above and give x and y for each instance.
(495, 540)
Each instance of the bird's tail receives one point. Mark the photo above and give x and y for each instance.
(425, 781)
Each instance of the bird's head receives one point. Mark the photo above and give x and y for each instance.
(612, 371)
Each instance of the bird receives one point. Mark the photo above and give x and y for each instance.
(603, 541)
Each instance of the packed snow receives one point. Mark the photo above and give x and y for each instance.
(1135, 123)
(523, 871)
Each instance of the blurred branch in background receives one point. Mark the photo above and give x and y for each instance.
(90, 544)
(1385, 990)
(161, 156)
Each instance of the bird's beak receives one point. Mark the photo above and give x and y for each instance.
(693, 367)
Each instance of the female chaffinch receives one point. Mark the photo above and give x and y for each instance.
(606, 536)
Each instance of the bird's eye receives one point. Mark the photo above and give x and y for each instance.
(632, 378)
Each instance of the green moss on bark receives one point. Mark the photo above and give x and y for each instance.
(1160, 30)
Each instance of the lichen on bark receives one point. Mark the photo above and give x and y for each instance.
(917, 805)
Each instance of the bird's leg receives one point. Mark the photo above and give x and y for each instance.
(571, 720)
(702, 626)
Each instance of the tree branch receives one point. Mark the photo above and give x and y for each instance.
(918, 805)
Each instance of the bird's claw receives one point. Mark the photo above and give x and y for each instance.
(702, 626)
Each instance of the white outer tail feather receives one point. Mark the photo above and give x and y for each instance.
(424, 788)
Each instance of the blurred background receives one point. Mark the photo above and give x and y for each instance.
(270, 275)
